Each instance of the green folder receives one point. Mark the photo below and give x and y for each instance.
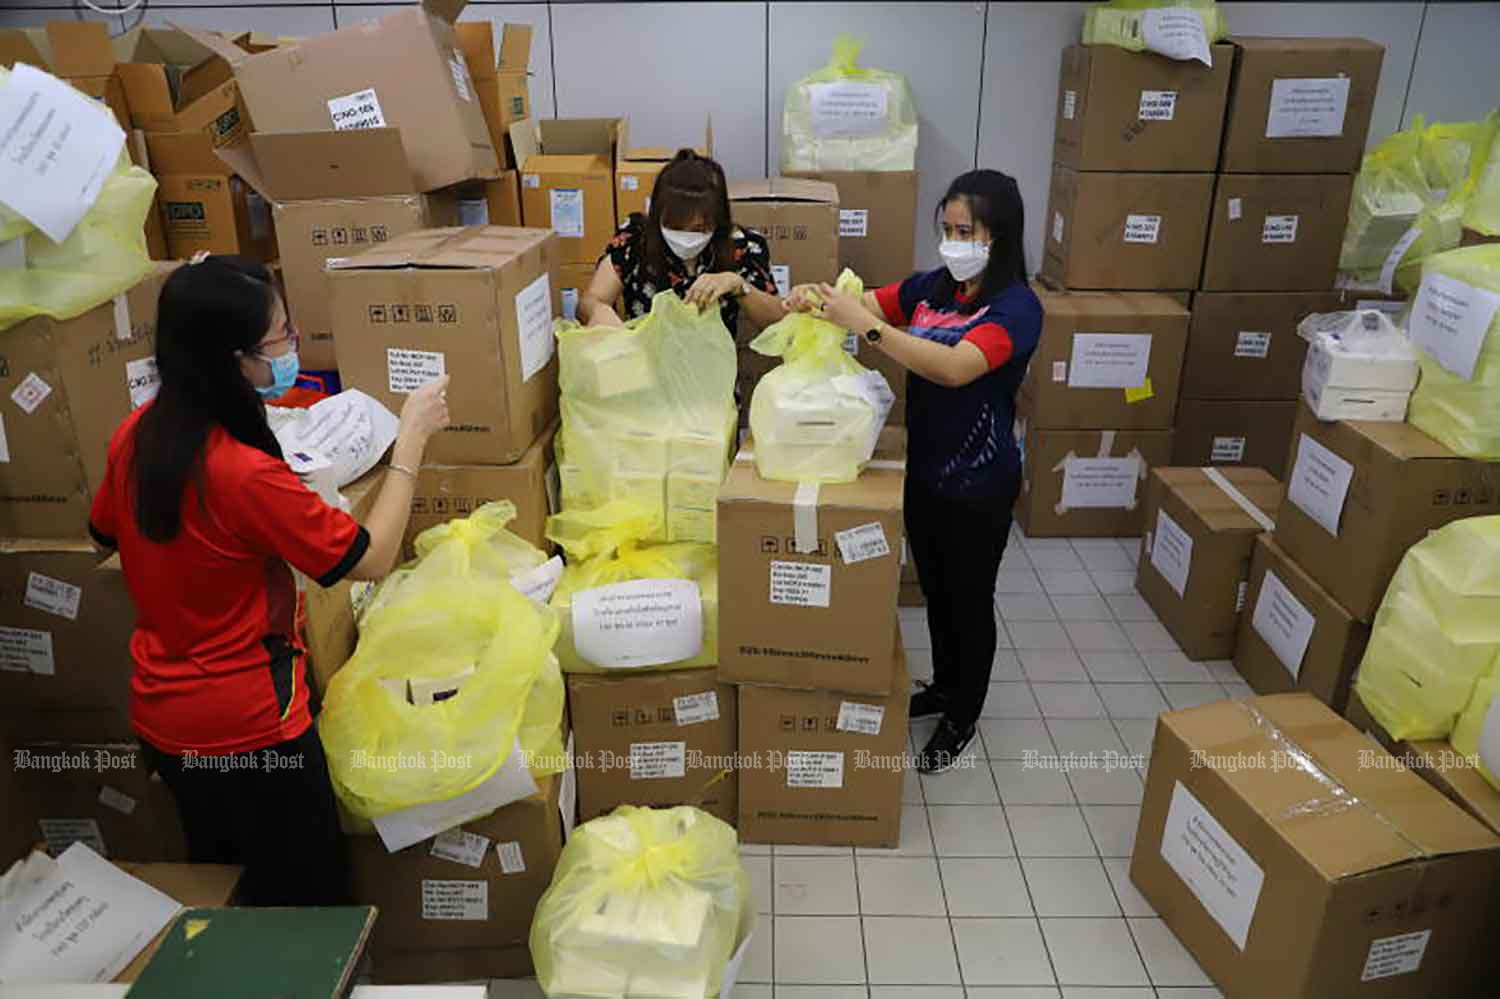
(258, 954)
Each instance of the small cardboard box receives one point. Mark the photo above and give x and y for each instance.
(86, 375)
(76, 51)
(656, 739)
(495, 202)
(1107, 359)
(1194, 568)
(800, 220)
(1126, 231)
(1300, 105)
(638, 167)
(1244, 345)
(180, 81)
(808, 575)
(205, 207)
(824, 768)
(877, 222)
(1231, 432)
(504, 88)
(1276, 232)
(1119, 110)
(567, 181)
(1360, 494)
(1293, 635)
(1085, 483)
(474, 303)
(1293, 857)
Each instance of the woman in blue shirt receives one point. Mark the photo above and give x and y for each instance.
(970, 328)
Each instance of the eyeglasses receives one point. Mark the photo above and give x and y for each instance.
(290, 336)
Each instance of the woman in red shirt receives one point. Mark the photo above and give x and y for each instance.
(209, 520)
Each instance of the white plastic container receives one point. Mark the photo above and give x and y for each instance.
(1359, 366)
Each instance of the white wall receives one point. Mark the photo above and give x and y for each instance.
(984, 74)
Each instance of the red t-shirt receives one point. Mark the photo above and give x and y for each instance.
(218, 664)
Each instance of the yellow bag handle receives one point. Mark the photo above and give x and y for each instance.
(473, 530)
(806, 335)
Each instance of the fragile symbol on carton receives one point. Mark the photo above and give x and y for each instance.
(30, 393)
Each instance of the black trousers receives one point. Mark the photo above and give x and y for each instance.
(957, 545)
(270, 810)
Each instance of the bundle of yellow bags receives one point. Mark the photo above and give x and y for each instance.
(1455, 323)
(1483, 211)
(645, 904)
(849, 117)
(1156, 26)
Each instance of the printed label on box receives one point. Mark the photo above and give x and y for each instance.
(1057, 227)
(1283, 622)
(357, 110)
(1307, 108)
(851, 343)
(30, 393)
(809, 769)
(116, 799)
(52, 595)
(455, 899)
(1449, 320)
(1172, 552)
(474, 211)
(1216, 869)
(801, 584)
(642, 622)
(409, 370)
(782, 275)
(570, 303)
(1236, 209)
(1070, 104)
(460, 73)
(1157, 105)
(1227, 449)
(859, 544)
(1398, 955)
(694, 709)
(1142, 228)
(865, 719)
(461, 847)
(1100, 483)
(1250, 343)
(1109, 360)
(531, 180)
(534, 325)
(1177, 33)
(630, 182)
(1279, 229)
(1241, 589)
(567, 211)
(847, 110)
(658, 760)
(854, 222)
(1320, 483)
(512, 860)
(1059, 371)
(26, 650)
(143, 381)
(63, 833)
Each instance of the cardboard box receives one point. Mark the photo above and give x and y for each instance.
(196, 886)
(95, 368)
(156, 233)
(475, 303)
(1244, 345)
(494, 202)
(1085, 483)
(800, 619)
(638, 167)
(1276, 232)
(655, 739)
(205, 207)
(573, 280)
(180, 81)
(1107, 359)
(1360, 494)
(1119, 110)
(504, 87)
(1343, 873)
(800, 220)
(78, 52)
(1230, 432)
(1293, 635)
(1126, 231)
(1194, 568)
(877, 222)
(823, 768)
(422, 967)
(567, 180)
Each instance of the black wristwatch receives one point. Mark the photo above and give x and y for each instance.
(872, 335)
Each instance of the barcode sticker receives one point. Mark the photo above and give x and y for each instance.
(1251, 343)
(854, 222)
(859, 544)
(1142, 228)
(1070, 104)
(512, 861)
(865, 719)
(53, 596)
(461, 847)
(694, 709)
(1059, 371)
(1236, 209)
(1227, 449)
(1279, 229)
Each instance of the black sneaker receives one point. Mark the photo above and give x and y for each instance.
(927, 702)
(943, 750)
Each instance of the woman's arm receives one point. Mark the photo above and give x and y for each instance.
(596, 304)
(762, 308)
(952, 367)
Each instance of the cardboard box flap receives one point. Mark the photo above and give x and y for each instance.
(664, 154)
(515, 48)
(80, 48)
(1217, 508)
(1473, 791)
(1254, 42)
(476, 41)
(580, 136)
(784, 189)
(184, 152)
(447, 10)
(1403, 440)
(20, 45)
(472, 248)
(307, 166)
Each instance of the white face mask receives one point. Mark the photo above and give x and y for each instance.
(687, 245)
(964, 260)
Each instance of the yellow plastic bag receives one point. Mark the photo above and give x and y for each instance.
(623, 604)
(847, 117)
(1153, 25)
(104, 256)
(1482, 213)
(1437, 631)
(648, 903)
(1455, 402)
(452, 617)
(648, 416)
(816, 417)
(1477, 733)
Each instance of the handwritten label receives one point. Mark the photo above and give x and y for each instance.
(695, 709)
(1320, 483)
(1307, 108)
(1249, 343)
(26, 650)
(1450, 320)
(1216, 869)
(53, 596)
(658, 760)
(357, 110)
(455, 900)
(1172, 552)
(863, 719)
(409, 370)
(1283, 622)
(1142, 228)
(461, 847)
(847, 109)
(811, 769)
(1157, 105)
(1109, 360)
(534, 326)
(801, 584)
(859, 544)
(642, 622)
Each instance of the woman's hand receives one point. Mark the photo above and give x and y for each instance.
(425, 411)
(805, 298)
(710, 288)
(846, 310)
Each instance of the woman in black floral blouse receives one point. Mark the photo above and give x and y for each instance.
(687, 243)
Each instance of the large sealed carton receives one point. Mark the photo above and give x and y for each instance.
(1359, 494)
(877, 221)
(1194, 570)
(1107, 359)
(503, 87)
(567, 180)
(1119, 110)
(476, 304)
(71, 383)
(824, 768)
(1085, 483)
(1276, 232)
(1231, 432)
(78, 52)
(1300, 105)
(1293, 635)
(1126, 231)
(1244, 345)
(655, 739)
(800, 220)
(1293, 857)
(179, 81)
(808, 575)
(205, 207)
(639, 166)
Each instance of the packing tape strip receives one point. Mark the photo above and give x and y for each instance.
(1106, 443)
(1240, 499)
(122, 317)
(805, 518)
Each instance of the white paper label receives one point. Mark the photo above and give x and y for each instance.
(1449, 320)
(1320, 483)
(1394, 257)
(864, 719)
(534, 325)
(1059, 371)
(345, 433)
(1177, 33)
(512, 782)
(455, 899)
(809, 769)
(801, 584)
(858, 544)
(1236, 209)
(567, 211)
(1109, 360)
(30, 393)
(1100, 483)
(1142, 228)
(695, 709)
(461, 847)
(1241, 589)
(1489, 738)
(1172, 552)
(1307, 108)
(782, 275)
(26, 650)
(4, 442)
(63, 833)
(538, 583)
(854, 222)
(409, 370)
(1216, 869)
(1398, 955)
(512, 860)
(658, 760)
(474, 211)
(847, 110)
(357, 110)
(643, 622)
(116, 799)
(52, 595)
(1252, 344)
(630, 182)
(1057, 227)
(1228, 450)
(570, 303)
(1283, 622)
(460, 71)
(143, 381)
(1070, 104)
(1157, 105)
(1279, 229)
(531, 180)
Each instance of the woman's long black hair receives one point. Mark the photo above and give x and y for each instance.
(689, 188)
(994, 201)
(208, 313)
